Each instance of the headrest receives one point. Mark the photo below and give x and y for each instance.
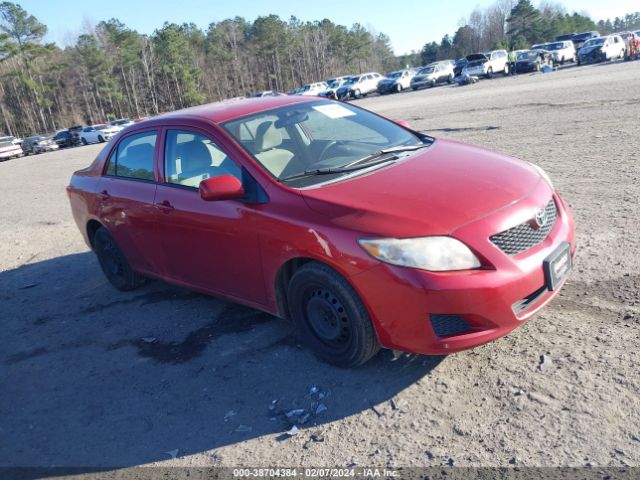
(267, 136)
(194, 156)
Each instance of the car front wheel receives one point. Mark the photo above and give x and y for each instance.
(490, 73)
(113, 262)
(100, 138)
(330, 317)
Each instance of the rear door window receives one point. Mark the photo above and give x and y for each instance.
(133, 157)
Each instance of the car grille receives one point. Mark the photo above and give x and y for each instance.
(524, 236)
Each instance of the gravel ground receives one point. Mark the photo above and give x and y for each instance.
(93, 377)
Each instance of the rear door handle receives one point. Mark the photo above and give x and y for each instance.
(104, 195)
(165, 206)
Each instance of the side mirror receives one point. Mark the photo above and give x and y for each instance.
(404, 123)
(224, 187)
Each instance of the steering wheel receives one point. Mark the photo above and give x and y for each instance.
(326, 149)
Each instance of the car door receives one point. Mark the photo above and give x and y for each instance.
(125, 199)
(208, 245)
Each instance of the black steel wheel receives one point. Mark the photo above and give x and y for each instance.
(330, 317)
(113, 262)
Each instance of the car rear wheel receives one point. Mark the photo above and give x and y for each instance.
(113, 262)
(506, 69)
(398, 88)
(100, 138)
(450, 78)
(330, 317)
(84, 141)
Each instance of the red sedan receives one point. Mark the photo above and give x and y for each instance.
(361, 231)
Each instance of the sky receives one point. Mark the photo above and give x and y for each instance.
(410, 26)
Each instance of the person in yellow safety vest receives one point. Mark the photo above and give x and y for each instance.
(512, 62)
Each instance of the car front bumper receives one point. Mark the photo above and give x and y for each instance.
(474, 71)
(422, 83)
(409, 307)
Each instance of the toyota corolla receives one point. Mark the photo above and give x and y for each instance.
(361, 231)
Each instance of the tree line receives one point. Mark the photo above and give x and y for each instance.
(513, 25)
(113, 71)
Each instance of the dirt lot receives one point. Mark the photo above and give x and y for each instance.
(94, 377)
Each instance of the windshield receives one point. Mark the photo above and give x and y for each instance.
(101, 127)
(333, 83)
(555, 46)
(426, 71)
(351, 81)
(120, 122)
(394, 74)
(296, 139)
(523, 56)
(594, 42)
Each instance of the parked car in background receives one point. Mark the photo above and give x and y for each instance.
(433, 74)
(98, 133)
(268, 93)
(9, 149)
(12, 139)
(601, 49)
(561, 51)
(580, 38)
(487, 64)
(121, 123)
(66, 139)
(460, 64)
(565, 37)
(395, 82)
(313, 89)
(533, 60)
(333, 85)
(359, 86)
(295, 186)
(38, 144)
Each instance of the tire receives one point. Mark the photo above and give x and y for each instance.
(330, 317)
(450, 78)
(84, 141)
(433, 83)
(490, 73)
(357, 93)
(414, 88)
(113, 262)
(507, 70)
(100, 139)
(398, 88)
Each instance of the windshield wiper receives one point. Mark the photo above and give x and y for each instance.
(333, 170)
(385, 151)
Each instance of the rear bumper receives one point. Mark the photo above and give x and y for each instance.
(408, 305)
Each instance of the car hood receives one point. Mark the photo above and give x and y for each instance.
(476, 57)
(432, 192)
(588, 50)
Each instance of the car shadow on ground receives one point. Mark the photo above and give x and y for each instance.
(94, 377)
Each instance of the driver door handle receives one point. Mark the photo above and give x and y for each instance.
(165, 206)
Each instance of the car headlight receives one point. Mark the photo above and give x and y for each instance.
(543, 174)
(438, 253)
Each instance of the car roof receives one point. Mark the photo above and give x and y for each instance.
(219, 112)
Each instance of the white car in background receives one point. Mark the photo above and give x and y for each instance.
(121, 123)
(601, 49)
(313, 89)
(333, 85)
(433, 74)
(359, 85)
(8, 149)
(487, 64)
(395, 82)
(561, 52)
(98, 133)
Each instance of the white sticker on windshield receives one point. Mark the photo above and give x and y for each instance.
(333, 110)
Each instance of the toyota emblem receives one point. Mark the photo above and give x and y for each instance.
(541, 217)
